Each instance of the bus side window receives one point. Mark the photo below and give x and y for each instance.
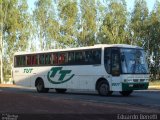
(77, 56)
(48, 59)
(55, 58)
(96, 56)
(17, 61)
(71, 59)
(29, 60)
(20, 60)
(88, 57)
(41, 59)
(34, 60)
(80, 57)
(23, 61)
(62, 58)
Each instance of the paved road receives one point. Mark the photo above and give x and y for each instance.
(149, 98)
(27, 104)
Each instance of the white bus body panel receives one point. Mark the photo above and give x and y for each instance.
(85, 76)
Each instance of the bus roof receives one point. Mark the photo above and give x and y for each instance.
(81, 48)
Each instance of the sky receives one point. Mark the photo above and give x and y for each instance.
(130, 4)
(150, 4)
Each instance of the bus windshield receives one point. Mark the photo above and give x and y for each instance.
(133, 61)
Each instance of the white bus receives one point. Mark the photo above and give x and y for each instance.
(103, 68)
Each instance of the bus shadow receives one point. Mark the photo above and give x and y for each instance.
(91, 94)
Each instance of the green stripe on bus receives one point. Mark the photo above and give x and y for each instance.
(134, 86)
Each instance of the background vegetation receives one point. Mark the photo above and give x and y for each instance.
(74, 23)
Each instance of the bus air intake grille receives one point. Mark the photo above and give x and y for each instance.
(135, 80)
(138, 86)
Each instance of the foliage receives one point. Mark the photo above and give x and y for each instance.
(139, 23)
(87, 23)
(154, 83)
(153, 39)
(113, 29)
(15, 25)
(43, 17)
(68, 17)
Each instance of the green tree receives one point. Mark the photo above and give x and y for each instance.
(153, 43)
(14, 29)
(43, 15)
(68, 17)
(113, 28)
(139, 23)
(33, 37)
(1, 39)
(87, 23)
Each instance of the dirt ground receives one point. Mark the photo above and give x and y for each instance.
(29, 106)
(7, 85)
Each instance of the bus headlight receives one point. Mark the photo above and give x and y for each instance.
(130, 80)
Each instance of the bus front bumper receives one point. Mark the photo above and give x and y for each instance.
(134, 86)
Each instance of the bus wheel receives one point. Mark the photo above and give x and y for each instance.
(126, 93)
(40, 87)
(103, 89)
(61, 90)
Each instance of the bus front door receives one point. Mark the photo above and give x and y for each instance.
(115, 69)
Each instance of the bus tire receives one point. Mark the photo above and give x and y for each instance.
(61, 90)
(126, 93)
(40, 86)
(103, 89)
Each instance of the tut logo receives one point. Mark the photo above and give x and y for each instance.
(58, 70)
(28, 70)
